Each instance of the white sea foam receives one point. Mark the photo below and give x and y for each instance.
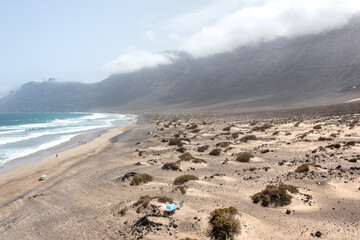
(24, 139)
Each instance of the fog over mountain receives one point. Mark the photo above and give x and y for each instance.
(313, 69)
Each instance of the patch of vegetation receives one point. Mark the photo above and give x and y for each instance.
(248, 138)
(164, 199)
(333, 135)
(188, 238)
(181, 188)
(195, 131)
(203, 148)
(228, 149)
(171, 166)
(141, 178)
(288, 134)
(224, 224)
(262, 128)
(225, 133)
(244, 157)
(317, 127)
(123, 211)
(302, 168)
(305, 167)
(265, 151)
(253, 123)
(223, 144)
(186, 157)
(184, 178)
(275, 133)
(297, 124)
(181, 149)
(142, 203)
(324, 139)
(175, 141)
(350, 143)
(275, 195)
(215, 152)
(228, 128)
(198, 160)
(192, 126)
(336, 145)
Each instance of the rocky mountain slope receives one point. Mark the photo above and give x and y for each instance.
(309, 70)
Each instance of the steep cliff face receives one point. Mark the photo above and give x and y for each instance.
(285, 72)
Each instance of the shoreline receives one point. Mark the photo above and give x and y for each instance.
(18, 180)
(41, 154)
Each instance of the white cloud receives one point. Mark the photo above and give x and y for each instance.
(266, 20)
(150, 35)
(138, 60)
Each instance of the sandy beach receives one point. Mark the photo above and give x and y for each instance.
(89, 192)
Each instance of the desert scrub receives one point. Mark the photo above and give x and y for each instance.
(253, 123)
(123, 211)
(142, 203)
(184, 178)
(203, 148)
(333, 135)
(198, 160)
(223, 144)
(195, 131)
(164, 199)
(186, 156)
(141, 178)
(244, 157)
(192, 126)
(317, 127)
(305, 167)
(275, 195)
(175, 141)
(228, 128)
(215, 152)
(324, 139)
(181, 149)
(188, 238)
(350, 143)
(181, 188)
(224, 224)
(275, 133)
(248, 138)
(171, 166)
(262, 128)
(297, 124)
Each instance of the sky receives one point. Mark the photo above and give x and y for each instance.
(88, 40)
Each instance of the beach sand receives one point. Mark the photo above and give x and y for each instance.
(84, 196)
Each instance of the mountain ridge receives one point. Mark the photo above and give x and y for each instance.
(308, 70)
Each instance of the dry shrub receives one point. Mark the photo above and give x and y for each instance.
(224, 224)
(275, 195)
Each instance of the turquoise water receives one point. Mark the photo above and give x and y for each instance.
(22, 134)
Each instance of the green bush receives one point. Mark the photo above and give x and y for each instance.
(223, 144)
(181, 188)
(141, 178)
(181, 149)
(164, 199)
(171, 166)
(248, 138)
(186, 156)
(302, 168)
(263, 127)
(175, 141)
(184, 178)
(244, 157)
(198, 160)
(203, 148)
(275, 195)
(224, 224)
(215, 152)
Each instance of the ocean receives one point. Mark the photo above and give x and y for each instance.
(22, 134)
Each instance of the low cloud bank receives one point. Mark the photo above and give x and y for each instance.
(138, 60)
(268, 21)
